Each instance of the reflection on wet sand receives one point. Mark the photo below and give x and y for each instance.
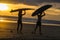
(8, 30)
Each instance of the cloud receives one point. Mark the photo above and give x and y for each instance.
(29, 2)
(10, 1)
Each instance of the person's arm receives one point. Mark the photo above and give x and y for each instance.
(43, 14)
(24, 12)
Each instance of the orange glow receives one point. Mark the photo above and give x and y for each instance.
(1, 19)
(51, 11)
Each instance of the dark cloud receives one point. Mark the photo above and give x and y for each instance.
(29, 2)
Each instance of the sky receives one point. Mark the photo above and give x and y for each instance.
(15, 4)
(32, 2)
(29, 2)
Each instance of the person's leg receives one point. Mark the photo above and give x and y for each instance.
(18, 26)
(35, 29)
(40, 29)
(21, 27)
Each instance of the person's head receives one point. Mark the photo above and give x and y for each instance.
(20, 11)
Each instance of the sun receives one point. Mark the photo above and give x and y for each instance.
(3, 7)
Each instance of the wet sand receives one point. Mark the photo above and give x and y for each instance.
(8, 32)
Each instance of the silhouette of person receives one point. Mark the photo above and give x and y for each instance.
(19, 22)
(38, 24)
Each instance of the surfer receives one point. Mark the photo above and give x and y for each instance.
(38, 24)
(40, 13)
(19, 22)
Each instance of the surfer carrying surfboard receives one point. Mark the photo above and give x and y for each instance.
(40, 13)
(19, 22)
(38, 23)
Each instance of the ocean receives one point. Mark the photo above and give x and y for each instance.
(12, 19)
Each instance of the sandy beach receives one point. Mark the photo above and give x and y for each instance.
(8, 32)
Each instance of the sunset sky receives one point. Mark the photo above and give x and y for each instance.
(52, 13)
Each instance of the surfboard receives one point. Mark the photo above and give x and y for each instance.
(26, 9)
(23, 9)
(41, 9)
